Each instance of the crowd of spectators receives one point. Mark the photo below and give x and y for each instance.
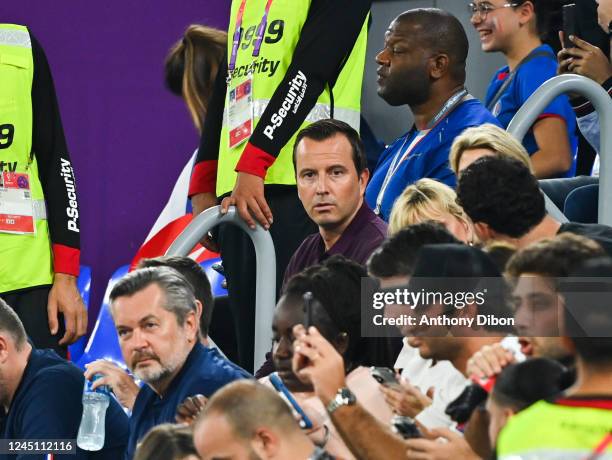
(516, 365)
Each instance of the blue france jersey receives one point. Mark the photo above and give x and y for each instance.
(428, 159)
(529, 77)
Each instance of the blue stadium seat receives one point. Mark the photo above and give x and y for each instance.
(75, 350)
(103, 343)
(215, 278)
(581, 204)
(559, 189)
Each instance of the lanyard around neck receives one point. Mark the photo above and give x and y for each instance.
(400, 156)
(600, 448)
(502, 89)
(237, 38)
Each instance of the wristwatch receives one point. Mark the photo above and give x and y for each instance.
(344, 397)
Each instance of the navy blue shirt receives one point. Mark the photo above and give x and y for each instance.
(429, 158)
(204, 372)
(48, 405)
(358, 240)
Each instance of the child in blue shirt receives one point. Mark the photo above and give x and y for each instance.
(514, 29)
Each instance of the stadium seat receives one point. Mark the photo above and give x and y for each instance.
(75, 351)
(581, 204)
(215, 278)
(558, 189)
(103, 342)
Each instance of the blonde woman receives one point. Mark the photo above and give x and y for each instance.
(427, 200)
(485, 140)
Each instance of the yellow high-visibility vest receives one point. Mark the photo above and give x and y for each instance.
(25, 260)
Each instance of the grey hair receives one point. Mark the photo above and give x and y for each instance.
(12, 325)
(179, 296)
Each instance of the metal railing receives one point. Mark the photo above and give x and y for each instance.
(535, 105)
(265, 294)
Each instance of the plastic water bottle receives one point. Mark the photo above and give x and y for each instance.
(92, 428)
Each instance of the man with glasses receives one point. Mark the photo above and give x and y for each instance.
(515, 29)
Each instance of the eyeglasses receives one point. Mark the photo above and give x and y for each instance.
(483, 9)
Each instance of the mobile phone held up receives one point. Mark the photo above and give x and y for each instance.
(277, 383)
(406, 427)
(570, 24)
(384, 376)
(308, 299)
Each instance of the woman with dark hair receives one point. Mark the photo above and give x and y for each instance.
(516, 28)
(167, 442)
(336, 313)
(520, 385)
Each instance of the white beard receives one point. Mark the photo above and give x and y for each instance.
(157, 372)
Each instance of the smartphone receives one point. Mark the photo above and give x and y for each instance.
(406, 427)
(308, 297)
(277, 383)
(570, 24)
(384, 376)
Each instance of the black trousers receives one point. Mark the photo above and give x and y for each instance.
(31, 307)
(291, 225)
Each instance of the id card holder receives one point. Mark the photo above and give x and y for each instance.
(16, 205)
(240, 113)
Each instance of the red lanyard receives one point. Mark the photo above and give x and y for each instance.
(601, 447)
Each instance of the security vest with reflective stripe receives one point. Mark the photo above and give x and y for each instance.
(346, 91)
(546, 431)
(25, 260)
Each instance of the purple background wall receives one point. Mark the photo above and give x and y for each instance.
(127, 135)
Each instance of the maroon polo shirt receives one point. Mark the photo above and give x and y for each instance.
(360, 238)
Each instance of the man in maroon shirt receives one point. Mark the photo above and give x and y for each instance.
(331, 176)
(273, 202)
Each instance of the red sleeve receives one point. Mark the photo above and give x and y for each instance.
(66, 259)
(203, 177)
(255, 161)
(551, 115)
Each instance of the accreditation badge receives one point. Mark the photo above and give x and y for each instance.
(240, 113)
(16, 205)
